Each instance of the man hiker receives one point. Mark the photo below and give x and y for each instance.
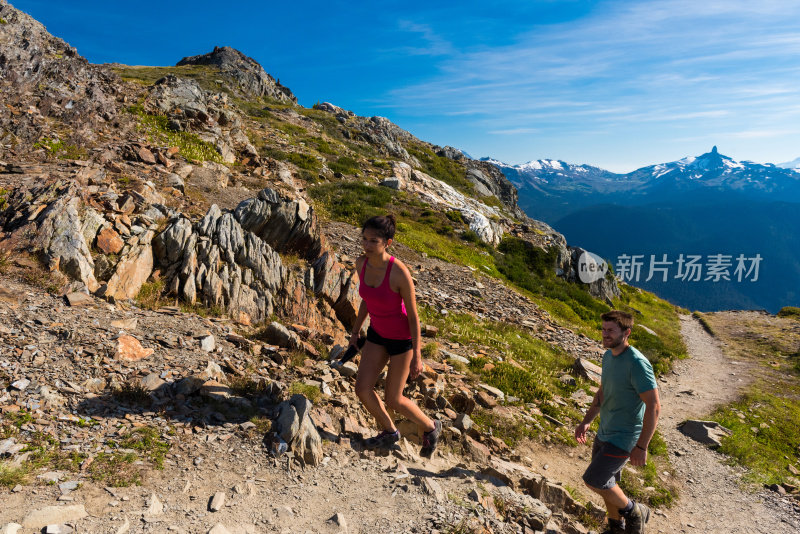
(628, 405)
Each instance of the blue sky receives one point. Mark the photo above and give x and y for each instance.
(617, 84)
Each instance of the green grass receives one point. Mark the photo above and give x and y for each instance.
(147, 441)
(645, 484)
(541, 362)
(190, 146)
(3, 198)
(768, 450)
(59, 149)
(791, 312)
(312, 393)
(636, 484)
(533, 269)
(511, 430)
(344, 165)
(351, 202)
(115, 470)
(444, 169)
(704, 322)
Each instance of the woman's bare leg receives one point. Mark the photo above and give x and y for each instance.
(399, 367)
(373, 360)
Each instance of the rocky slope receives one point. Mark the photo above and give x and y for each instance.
(127, 209)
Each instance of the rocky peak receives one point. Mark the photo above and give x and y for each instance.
(42, 77)
(251, 78)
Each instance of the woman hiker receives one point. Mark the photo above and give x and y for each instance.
(393, 337)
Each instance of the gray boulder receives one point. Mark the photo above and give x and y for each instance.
(706, 432)
(295, 426)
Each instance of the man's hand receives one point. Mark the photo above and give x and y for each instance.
(580, 432)
(638, 456)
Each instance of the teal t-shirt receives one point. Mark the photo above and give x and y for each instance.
(624, 378)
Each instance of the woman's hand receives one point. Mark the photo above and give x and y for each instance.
(354, 339)
(416, 366)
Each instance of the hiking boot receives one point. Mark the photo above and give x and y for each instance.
(614, 527)
(383, 440)
(635, 520)
(430, 439)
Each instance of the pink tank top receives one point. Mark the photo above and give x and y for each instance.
(387, 311)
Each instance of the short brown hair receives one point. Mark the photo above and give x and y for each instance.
(623, 319)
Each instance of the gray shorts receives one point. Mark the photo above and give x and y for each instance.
(605, 469)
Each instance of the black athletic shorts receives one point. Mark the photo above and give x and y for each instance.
(605, 469)
(392, 346)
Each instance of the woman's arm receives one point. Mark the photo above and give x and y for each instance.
(362, 309)
(405, 285)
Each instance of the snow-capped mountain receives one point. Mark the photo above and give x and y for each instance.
(551, 189)
(558, 174)
(794, 164)
(705, 205)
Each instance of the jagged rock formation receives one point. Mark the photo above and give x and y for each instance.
(251, 78)
(43, 78)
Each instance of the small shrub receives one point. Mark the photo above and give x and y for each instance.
(791, 312)
(59, 149)
(312, 393)
(304, 161)
(147, 440)
(430, 351)
(350, 201)
(115, 470)
(132, 395)
(149, 296)
(11, 476)
(455, 216)
(470, 236)
(3, 198)
(344, 165)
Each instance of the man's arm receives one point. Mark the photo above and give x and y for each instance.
(651, 412)
(591, 413)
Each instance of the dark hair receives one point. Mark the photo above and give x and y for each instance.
(623, 319)
(383, 224)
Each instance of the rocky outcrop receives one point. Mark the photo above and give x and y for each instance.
(604, 288)
(251, 80)
(486, 221)
(190, 108)
(43, 78)
(230, 260)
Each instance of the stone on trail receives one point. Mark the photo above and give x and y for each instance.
(79, 298)
(10, 528)
(54, 515)
(58, 529)
(130, 350)
(705, 432)
(154, 506)
(217, 501)
(218, 529)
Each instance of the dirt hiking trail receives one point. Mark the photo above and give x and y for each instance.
(713, 499)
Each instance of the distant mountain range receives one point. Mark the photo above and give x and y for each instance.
(710, 207)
